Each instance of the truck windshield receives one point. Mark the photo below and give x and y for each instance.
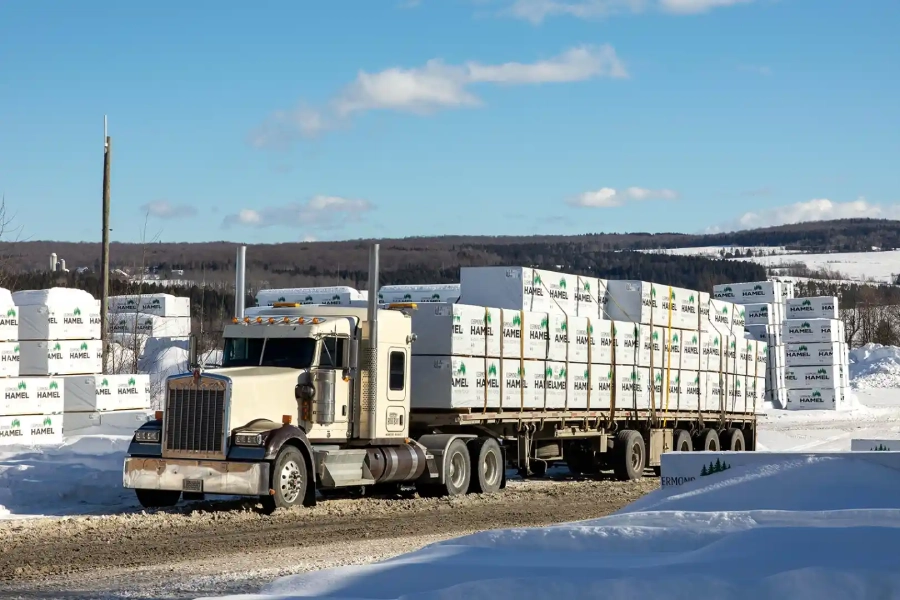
(294, 353)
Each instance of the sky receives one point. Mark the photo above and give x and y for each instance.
(280, 121)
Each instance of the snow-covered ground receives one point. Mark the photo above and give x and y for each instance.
(853, 267)
(812, 528)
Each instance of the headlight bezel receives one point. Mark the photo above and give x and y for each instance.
(249, 439)
(148, 436)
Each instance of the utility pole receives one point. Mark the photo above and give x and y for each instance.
(104, 260)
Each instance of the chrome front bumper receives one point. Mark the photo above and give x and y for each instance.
(214, 476)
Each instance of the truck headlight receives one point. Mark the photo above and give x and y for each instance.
(147, 435)
(248, 439)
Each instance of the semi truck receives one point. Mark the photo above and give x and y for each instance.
(314, 399)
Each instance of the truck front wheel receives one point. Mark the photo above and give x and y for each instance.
(157, 498)
(630, 455)
(289, 480)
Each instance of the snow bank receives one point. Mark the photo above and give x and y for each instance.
(875, 366)
(82, 476)
(823, 534)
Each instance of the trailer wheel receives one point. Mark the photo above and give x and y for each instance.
(733, 440)
(289, 481)
(630, 455)
(157, 498)
(457, 473)
(683, 441)
(487, 463)
(707, 441)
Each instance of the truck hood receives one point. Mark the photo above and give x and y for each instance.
(260, 393)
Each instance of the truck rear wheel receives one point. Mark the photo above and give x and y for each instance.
(289, 480)
(707, 441)
(733, 440)
(630, 455)
(487, 462)
(157, 498)
(457, 473)
(683, 441)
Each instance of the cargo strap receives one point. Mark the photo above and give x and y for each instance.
(487, 374)
(590, 361)
(613, 382)
(522, 360)
(668, 359)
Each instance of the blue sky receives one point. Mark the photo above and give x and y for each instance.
(281, 121)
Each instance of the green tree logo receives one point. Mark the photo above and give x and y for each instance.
(48, 421)
(587, 374)
(16, 349)
(742, 314)
(674, 338)
(545, 322)
(536, 278)
(714, 467)
(724, 310)
(155, 302)
(487, 317)
(104, 383)
(694, 339)
(457, 318)
(658, 377)
(15, 424)
(816, 394)
(11, 312)
(308, 299)
(131, 303)
(671, 294)
(407, 297)
(609, 375)
(727, 289)
(634, 375)
(548, 372)
(654, 336)
(280, 299)
(822, 372)
(805, 325)
(436, 297)
(562, 283)
(77, 312)
(653, 291)
(131, 381)
(806, 303)
(57, 347)
(462, 369)
(586, 286)
(492, 370)
(563, 326)
(517, 321)
(803, 349)
(590, 329)
(757, 287)
(880, 448)
(21, 385)
(562, 373)
(54, 385)
(716, 341)
(691, 298)
(84, 346)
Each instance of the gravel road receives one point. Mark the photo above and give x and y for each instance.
(212, 549)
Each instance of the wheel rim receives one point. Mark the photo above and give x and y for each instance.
(491, 469)
(685, 446)
(291, 481)
(739, 445)
(637, 458)
(457, 470)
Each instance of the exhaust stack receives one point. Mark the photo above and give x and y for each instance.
(240, 282)
(368, 390)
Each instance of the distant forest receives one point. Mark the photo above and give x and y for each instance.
(209, 267)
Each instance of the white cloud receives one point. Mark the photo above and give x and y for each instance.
(321, 212)
(697, 6)
(432, 87)
(820, 209)
(163, 209)
(536, 11)
(609, 197)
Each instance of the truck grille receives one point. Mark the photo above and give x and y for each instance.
(195, 421)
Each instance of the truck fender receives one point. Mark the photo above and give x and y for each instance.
(291, 434)
(436, 445)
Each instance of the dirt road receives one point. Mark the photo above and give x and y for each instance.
(210, 551)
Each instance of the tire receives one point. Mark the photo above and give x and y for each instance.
(157, 498)
(707, 441)
(733, 440)
(630, 455)
(457, 473)
(289, 480)
(682, 441)
(487, 466)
